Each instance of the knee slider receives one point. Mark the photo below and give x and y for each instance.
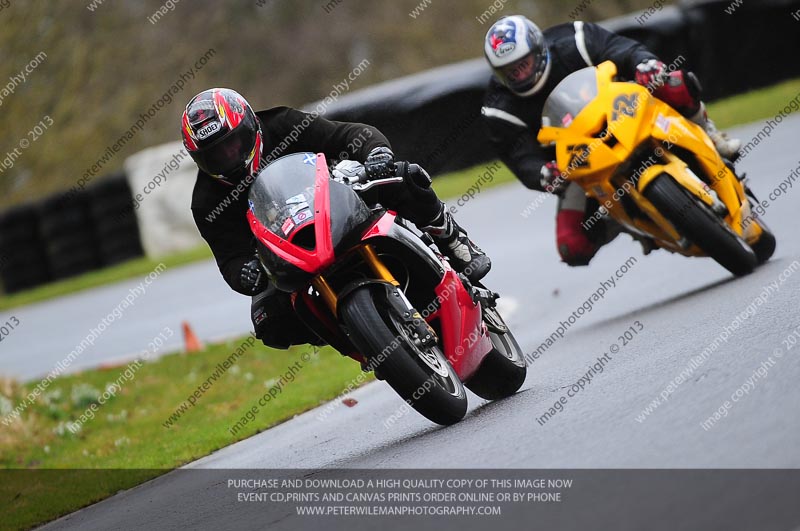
(575, 251)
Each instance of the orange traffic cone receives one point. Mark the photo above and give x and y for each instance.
(190, 339)
(110, 366)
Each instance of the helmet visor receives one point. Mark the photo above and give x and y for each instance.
(230, 154)
(522, 75)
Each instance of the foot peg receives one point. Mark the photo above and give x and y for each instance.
(479, 295)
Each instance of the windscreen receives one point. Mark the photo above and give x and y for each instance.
(570, 97)
(282, 196)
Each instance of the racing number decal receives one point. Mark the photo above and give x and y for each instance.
(578, 156)
(626, 105)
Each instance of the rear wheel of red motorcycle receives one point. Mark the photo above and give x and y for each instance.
(421, 376)
(503, 370)
(696, 221)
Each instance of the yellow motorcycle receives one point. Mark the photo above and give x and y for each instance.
(652, 171)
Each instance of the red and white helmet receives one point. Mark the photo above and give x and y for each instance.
(222, 134)
(516, 49)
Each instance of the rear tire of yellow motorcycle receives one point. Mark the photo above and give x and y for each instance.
(700, 225)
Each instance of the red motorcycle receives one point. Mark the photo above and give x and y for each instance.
(368, 285)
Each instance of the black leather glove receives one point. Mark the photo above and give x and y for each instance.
(380, 163)
(413, 172)
(253, 277)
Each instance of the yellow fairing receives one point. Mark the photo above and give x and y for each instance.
(625, 122)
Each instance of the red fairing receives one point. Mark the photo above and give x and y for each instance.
(382, 226)
(322, 256)
(464, 335)
(465, 338)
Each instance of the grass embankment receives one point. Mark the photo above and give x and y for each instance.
(132, 429)
(744, 108)
(753, 106)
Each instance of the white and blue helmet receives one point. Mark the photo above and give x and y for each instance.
(516, 49)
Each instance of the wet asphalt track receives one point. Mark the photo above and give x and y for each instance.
(682, 305)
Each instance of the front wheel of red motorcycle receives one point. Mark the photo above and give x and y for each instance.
(420, 375)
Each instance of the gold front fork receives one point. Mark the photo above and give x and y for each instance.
(321, 285)
(372, 260)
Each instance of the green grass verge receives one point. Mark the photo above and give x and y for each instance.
(128, 431)
(753, 106)
(744, 108)
(455, 186)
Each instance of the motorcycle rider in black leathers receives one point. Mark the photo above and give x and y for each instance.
(528, 64)
(231, 143)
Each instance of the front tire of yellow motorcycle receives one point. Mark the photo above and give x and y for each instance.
(694, 220)
(765, 246)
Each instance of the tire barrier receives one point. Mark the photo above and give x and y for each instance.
(432, 118)
(733, 46)
(23, 263)
(116, 235)
(60, 237)
(67, 235)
